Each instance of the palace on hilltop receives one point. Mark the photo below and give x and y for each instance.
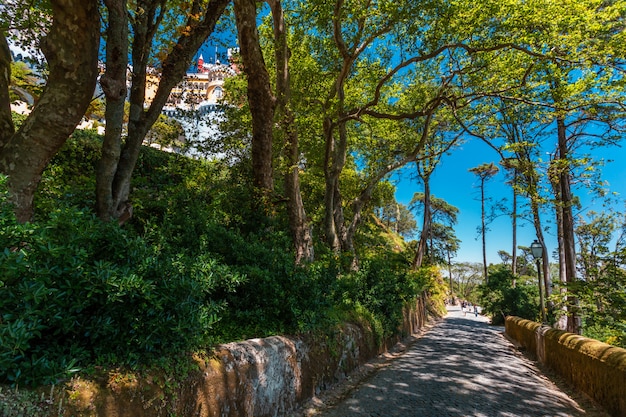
(200, 91)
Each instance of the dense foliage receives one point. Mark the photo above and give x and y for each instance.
(332, 100)
(499, 298)
(196, 266)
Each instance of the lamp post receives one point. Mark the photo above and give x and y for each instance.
(536, 248)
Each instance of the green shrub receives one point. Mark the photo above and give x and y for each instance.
(380, 289)
(612, 334)
(499, 298)
(277, 297)
(76, 292)
(69, 179)
(197, 264)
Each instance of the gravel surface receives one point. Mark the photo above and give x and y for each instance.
(460, 367)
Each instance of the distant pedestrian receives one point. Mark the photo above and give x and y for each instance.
(464, 308)
(475, 310)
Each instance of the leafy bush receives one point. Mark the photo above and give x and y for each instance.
(379, 290)
(601, 304)
(197, 264)
(499, 299)
(76, 291)
(69, 180)
(612, 334)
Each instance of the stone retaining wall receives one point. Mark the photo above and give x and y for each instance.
(258, 377)
(593, 367)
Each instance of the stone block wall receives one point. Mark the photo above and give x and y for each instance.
(255, 378)
(593, 367)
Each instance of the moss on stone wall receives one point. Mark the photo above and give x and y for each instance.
(593, 367)
(257, 377)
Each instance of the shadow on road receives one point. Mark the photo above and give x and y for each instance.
(461, 367)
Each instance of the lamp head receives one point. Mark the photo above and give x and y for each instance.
(536, 249)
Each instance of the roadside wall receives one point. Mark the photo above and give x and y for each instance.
(593, 367)
(257, 377)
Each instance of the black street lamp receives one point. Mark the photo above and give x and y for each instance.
(536, 248)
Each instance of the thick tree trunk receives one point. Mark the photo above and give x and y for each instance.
(336, 149)
(71, 49)
(144, 29)
(300, 230)
(331, 178)
(6, 121)
(357, 207)
(174, 68)
(339, 162)
(554, 179)
(260, 98)
(569, 243)
(113, 84)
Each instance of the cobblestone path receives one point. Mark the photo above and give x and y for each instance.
(461, 367)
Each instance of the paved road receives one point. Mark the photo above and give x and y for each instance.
(462, 367)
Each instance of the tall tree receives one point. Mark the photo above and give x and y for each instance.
(113, 84)
(300, 229)
(430, 156)
(450, 245)
(442, 217)
(522, 130)
(70, 47)
(585, 112)
(147, 20)
(511, 167)
(261, 98)
(6, 121)
(268, 108)
(484, 172)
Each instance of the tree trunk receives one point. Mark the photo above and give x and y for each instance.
(7, 129)
(331, 177)
(260, 98)
(533, 194)
(396, 227)
(554, 179)
(339, 162)
(534, 204)
(426, 224)
(335, 154)
(71, 49)
(569, 248)
(450, 272)
(300, 230)
(174, 68)
(514, 225)
(483, 228)
(113, 84)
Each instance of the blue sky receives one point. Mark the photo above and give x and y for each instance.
(453, 182)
